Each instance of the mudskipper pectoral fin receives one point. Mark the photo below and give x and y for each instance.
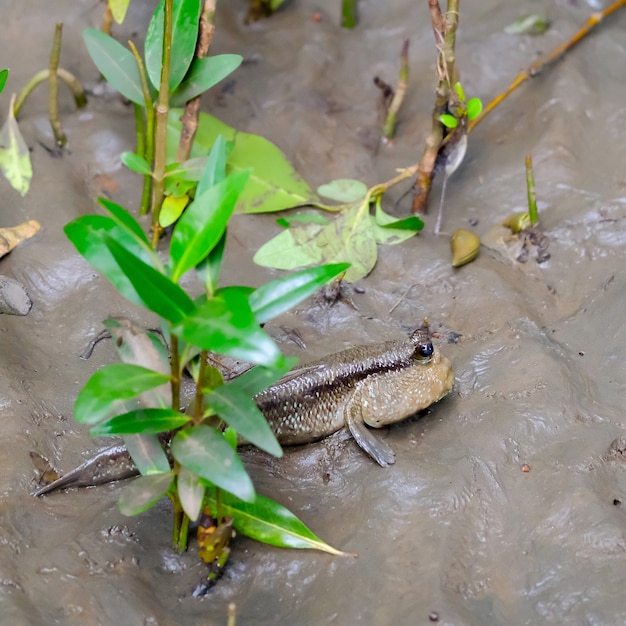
(378, 450)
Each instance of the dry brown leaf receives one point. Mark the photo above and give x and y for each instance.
(10, 237)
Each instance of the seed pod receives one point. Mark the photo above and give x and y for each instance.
(517, 222)
(465, 247)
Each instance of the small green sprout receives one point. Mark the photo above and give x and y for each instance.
(465, 109)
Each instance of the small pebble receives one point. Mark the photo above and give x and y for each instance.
(13, 297)
(525, 468)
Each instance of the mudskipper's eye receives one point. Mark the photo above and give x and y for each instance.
(425, 350)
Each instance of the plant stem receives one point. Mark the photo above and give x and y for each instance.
(349, 13)
(160, 136)
(389, 126)
(183, 532)
(148, 151)
(530, 189)
(175, 372)
(199, 399)
(190, 115)
(53, 94)
(534, 69)
(80, 98)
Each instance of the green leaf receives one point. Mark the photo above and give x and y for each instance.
(136, 163)
(88, 234)
(280, 295)
(187, 171)
(474, 108)
(230, 435)
(350, 238)
(273, 185)
(214, 171)
(143, 493)
(259, 378)
(118, 8)
(205, 452)
(203, 74)
(4, 74)
(190, 492)
(151, 289)
(111, 384)
(142, 420)
(267, 521)
(449, 121)
(14, 155)
(116, 63)
(209, 269)
(203, 223)
(343, 190)
(226, 324)
(302, 218)
(185, 22)
(239, 411)
(389, 230)
(147, 453)
(128, 222)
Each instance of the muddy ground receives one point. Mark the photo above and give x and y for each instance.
(455, 528)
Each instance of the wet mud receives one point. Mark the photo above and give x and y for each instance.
(507, 502)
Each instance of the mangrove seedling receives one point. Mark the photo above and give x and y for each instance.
(140, 398)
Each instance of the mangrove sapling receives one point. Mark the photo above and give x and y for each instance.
(140, 398)
(14, 154)
(52, 75)
(171, 70)
(525, 224)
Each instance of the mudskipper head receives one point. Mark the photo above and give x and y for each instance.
(424, 348)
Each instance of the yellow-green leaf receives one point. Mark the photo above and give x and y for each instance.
(14, 155)
(118, 8)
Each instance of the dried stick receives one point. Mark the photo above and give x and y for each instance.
(537, 66)
(389, 126)
(189, 117)
(444, 29)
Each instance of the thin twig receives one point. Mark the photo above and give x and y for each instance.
(53, 80)
(536, 67)
(189, 118)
